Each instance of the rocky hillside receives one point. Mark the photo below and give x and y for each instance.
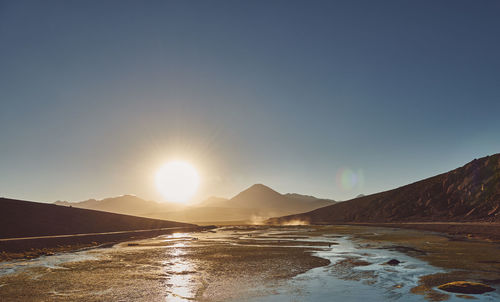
(469, 193)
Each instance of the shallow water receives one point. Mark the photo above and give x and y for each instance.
(52, 262)
(387, 283)
(231, 264)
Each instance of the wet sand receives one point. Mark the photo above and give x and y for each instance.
(259, 264)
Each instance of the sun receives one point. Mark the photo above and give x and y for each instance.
(177, 181)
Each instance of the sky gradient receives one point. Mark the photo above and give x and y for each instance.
(326, 98)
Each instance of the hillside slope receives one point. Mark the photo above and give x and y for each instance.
(20, 218)
(469, 193)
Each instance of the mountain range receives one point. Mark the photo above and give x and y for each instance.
(254, 204)
(469, 193)
(125, 204)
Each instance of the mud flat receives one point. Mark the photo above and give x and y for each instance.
(458, 230)
(180, 267)
(259, 264)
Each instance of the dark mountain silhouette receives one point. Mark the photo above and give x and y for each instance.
(306, 197)
(125, 204)
(256, 203)
(260, 196)
(20, 218)
(469, 193)
(213, 215)
(214, 201)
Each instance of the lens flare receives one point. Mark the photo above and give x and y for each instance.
(348, 179)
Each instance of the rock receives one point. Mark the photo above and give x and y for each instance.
(466, 297)
(465, 287)
(393, 262)
(133, 244)
(352, 262)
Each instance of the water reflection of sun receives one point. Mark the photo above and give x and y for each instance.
(180, 271)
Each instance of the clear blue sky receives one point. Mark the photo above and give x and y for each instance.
(95, 95)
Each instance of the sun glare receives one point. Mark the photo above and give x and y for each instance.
(177, 181)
